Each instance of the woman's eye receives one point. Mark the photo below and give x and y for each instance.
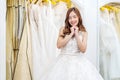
(74, 16)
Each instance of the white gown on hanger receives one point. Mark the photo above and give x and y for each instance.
(44, 36)
(71, 64)
(109, 48)
(60, 11)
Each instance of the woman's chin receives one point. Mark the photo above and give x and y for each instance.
(74, 25)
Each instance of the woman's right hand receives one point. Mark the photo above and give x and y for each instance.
(72, 30)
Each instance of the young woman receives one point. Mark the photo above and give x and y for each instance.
(71, 63)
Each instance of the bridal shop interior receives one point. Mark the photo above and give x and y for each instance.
(29, 31)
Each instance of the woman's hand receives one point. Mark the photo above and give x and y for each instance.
(76, 30)
(72, 30)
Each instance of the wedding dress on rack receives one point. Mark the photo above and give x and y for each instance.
(44, 37)
(109, 47)
(60, 11)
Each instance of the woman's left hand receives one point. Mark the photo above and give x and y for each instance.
(76, 30)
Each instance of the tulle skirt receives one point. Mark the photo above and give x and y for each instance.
(72, 67)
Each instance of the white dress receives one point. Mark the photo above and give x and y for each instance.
(109, 47)
(71, 64)
(44, 37)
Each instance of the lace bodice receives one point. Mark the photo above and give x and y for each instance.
(71, 47)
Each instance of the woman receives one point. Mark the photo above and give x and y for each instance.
(71, 63)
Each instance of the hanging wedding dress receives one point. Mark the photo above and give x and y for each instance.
(60, 11)
(44, 37)
(116, 21)
(36, 49)
(18, 57)
(109, 47)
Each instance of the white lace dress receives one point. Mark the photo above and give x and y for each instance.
(71, 64)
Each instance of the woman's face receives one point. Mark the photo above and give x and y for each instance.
(73, 19)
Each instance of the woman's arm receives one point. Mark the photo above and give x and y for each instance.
(82, 42)
(61, 42)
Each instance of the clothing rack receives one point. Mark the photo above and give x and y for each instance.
(111, 7)
(53, 2)
(9, 6)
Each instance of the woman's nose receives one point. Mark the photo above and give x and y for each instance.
(72, 19)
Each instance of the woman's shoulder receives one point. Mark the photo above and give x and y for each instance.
(84, 33)
(62, 28)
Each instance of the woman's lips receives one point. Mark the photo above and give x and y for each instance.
(72, 23)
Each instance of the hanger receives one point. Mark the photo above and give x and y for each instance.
(34, 1)
(39, 2)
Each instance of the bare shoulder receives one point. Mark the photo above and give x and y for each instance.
(85, 33)
(61, 31)
(62, 28)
